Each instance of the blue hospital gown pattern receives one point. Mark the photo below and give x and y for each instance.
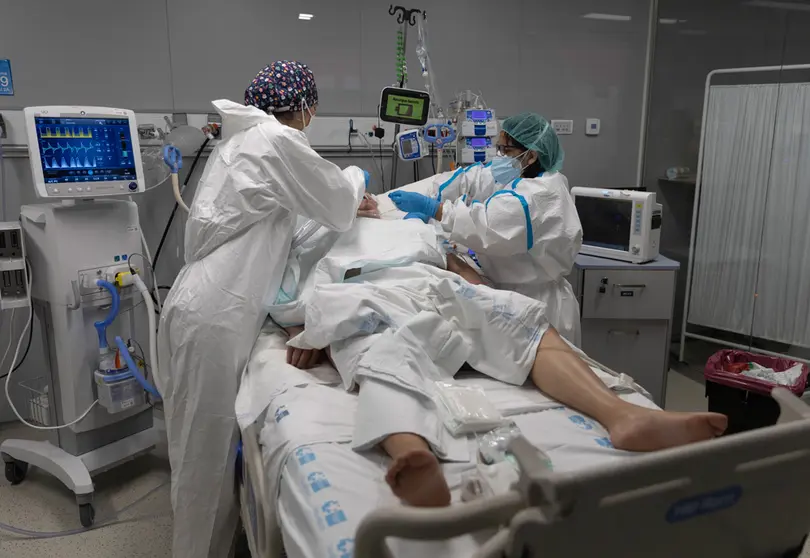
(604, 442)
(582, 422)
(345, 548)
(332, 513)
(304, 455)
(317, 481)
(281, 412)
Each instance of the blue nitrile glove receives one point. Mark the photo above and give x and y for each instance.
(367, 177)
(415, 215)
(411, 202)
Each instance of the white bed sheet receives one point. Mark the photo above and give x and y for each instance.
(326, 488)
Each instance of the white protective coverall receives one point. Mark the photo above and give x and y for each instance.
(237, 241)
(526, 235)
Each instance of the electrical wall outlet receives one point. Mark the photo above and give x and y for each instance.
(593, 126)
(180, 119)
(563, 127)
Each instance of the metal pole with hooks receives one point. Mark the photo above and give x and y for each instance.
(405, 17)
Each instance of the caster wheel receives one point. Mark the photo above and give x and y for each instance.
(16, 471)
(87, 515)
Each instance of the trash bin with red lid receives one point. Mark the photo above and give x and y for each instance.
(747, 400)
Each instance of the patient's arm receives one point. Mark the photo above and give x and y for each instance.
(302, 358)
(460, 267)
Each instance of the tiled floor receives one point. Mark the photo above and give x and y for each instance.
(43, 504)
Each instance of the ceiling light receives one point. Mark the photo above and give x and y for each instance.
(778, 5)
(667, 21)
(693, 32)
(607, 17)
(305, 17)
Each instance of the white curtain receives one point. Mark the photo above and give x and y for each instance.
(782, 310)
(752, 248)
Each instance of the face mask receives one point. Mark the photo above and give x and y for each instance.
(506, 169)
(303, 118)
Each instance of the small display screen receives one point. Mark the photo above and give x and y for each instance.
(478, 142)
(410, 108)
(605, 222)
(477, 115)
(407, 147)
(85, 149)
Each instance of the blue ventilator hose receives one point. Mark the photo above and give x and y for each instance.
(101, 327)
(149, 388)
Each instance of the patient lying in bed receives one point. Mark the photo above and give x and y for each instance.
(396, 316)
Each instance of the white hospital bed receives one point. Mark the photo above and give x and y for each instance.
(308, 494)
(312, 500)
(742, 495)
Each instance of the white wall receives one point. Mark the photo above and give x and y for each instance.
(177, 55)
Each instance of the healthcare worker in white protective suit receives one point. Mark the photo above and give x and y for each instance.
(256, 182)
(516, 214)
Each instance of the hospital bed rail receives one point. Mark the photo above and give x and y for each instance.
(257, 510)
(741, 495)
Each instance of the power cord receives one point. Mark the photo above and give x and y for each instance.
(13, 360)
(30, 336)
(154, 292)
(33, 535)
(377, 164)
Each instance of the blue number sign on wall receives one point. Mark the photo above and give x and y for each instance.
(6, 84)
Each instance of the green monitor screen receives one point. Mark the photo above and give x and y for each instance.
(404, 106)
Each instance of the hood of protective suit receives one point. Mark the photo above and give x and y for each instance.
(255, 171)
(236, 117)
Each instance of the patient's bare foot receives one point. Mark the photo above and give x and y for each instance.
(648, 430)
(416, 477)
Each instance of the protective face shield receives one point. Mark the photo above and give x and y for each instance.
(506, 169)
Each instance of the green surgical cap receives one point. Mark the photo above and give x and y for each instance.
(536, 133)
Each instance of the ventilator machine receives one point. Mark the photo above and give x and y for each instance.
(83, 251)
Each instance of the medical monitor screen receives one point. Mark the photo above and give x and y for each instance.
(404, 106)
(479, 115)
(479, 142)
(605, 222)
(407, 147)
(85, 149)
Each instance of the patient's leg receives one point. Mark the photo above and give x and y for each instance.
(415, 475)
(561, 374)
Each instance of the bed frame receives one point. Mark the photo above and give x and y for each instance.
(746, 495)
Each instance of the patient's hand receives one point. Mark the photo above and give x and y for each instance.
(460, 267)
(368, 207)
(302, 358)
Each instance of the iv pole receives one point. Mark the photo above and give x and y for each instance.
(406, 18)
